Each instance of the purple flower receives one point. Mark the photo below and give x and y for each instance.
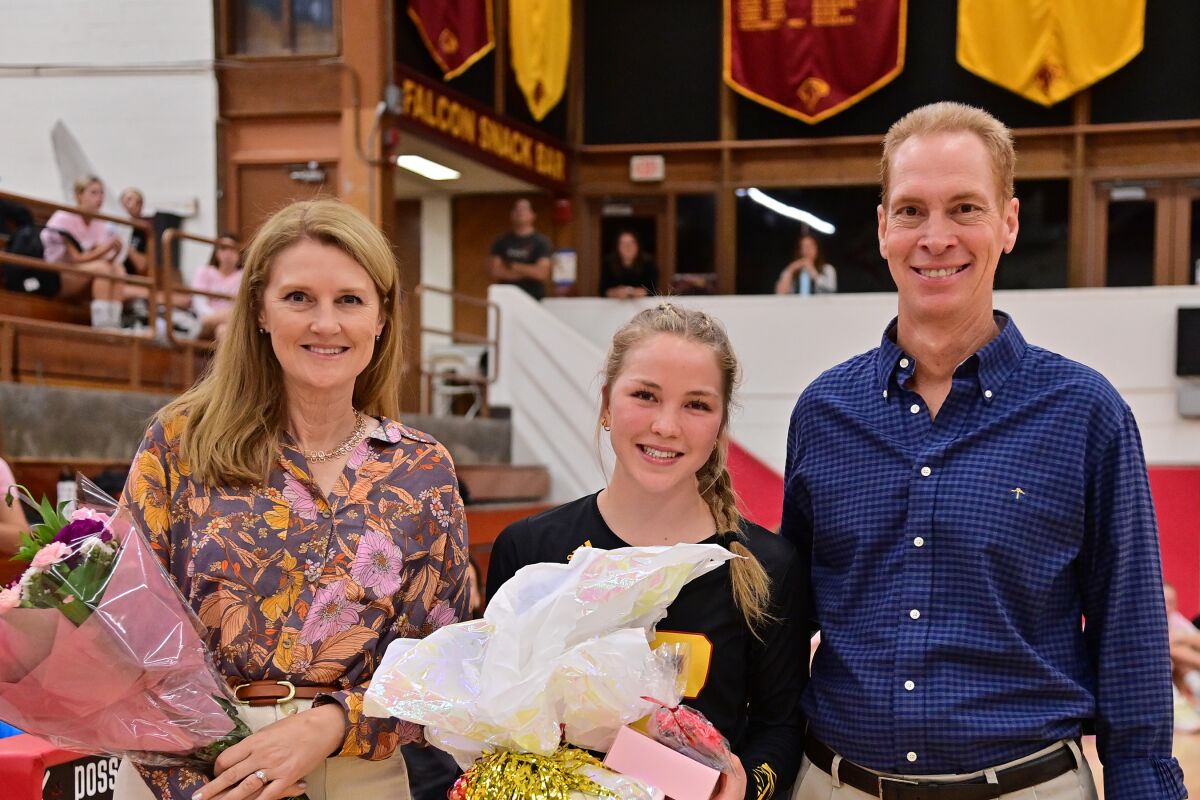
(81, 529)
(332, 612)
(377, 564)
(440, 615)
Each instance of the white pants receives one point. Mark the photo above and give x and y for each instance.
(334, 779)
(814, 783)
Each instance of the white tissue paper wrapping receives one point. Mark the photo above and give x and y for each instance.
(561, 652)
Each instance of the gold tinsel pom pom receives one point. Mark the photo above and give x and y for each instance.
(527, 776)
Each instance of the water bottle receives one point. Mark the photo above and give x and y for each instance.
(806, 286)
(66, 489)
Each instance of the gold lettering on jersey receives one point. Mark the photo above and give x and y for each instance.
(586, 543)
(771, 15)
(699, 652)
(765, 781)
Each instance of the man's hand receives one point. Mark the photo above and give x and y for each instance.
(732, 785)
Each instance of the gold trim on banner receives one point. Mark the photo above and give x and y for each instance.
(447, 73)
(811, 119)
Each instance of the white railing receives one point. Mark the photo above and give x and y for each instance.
(553, 353)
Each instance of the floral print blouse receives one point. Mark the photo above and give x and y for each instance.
(293, 585)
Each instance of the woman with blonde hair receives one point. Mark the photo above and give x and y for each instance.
(668, 387)
(87, 243)
(306, 527)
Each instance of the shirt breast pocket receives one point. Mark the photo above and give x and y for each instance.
(1026, 530)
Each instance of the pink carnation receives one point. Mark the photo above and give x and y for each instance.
(9, 598)
(88, 513)
(50, 555)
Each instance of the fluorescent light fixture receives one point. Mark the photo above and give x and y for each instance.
(791, 212)
(427, 169)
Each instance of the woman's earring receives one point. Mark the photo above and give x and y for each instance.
(262, 330)
(604, 423)
(377, 336)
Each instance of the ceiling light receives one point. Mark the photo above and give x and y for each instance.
(791, 212)
(427, 169)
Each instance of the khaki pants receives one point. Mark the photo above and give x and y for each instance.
(814, 783)
(335, 779)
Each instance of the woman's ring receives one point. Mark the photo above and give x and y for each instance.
(262, 776)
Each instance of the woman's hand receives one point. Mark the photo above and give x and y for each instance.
(272, 763)
(732, 785)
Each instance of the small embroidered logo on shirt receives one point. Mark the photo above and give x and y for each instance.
(1017, 492)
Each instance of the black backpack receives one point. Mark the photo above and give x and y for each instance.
(27, 241)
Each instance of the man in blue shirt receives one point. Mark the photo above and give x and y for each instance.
(964, 500)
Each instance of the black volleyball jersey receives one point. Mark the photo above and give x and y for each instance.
(748, 687)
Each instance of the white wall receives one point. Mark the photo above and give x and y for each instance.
(785, 342)
(437, 267)
(133, 80)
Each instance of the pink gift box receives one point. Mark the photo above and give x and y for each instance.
(680, 778)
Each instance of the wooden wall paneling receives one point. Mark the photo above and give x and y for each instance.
(1079, 245)
(406, 239)
(263, 189)
(268, 88)
(1164, 229)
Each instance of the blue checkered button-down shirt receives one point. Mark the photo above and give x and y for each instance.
(953, 559)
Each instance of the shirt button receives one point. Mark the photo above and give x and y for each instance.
(919, 541)
(916, 409)
(909, 685)
(885, 392)
(904, 363)
(326, 513)
(911, 756)
(926, 472)
(915, 614)
(987, 393)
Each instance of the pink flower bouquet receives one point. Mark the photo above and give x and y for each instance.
(99, 653)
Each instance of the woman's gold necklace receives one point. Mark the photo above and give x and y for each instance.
(360, 431)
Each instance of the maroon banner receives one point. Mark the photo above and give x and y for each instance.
(811, 59)
(457, 32)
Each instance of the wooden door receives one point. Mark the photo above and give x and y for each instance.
(263, 189)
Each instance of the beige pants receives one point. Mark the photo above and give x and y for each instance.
(814, 783)
(335, 779)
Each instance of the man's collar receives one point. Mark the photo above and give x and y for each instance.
(991, 365)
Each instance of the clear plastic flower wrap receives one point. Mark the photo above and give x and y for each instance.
(100, 653)
(685, 730)
(562, 654)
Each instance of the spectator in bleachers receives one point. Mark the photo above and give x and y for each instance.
(809, 273)
(12, 518)
(134, 203)
(222, 273)
(521, 256)
(629, 272)
(81, 240)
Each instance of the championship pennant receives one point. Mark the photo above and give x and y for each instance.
(457, 32)
(810, 59)
(1047, 50)
(540, 40)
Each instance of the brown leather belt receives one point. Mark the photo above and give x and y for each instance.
(270, 693)
(1011, 779)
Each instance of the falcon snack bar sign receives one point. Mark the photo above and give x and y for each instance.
(811, 59)
(471, 128)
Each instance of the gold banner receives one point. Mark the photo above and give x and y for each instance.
(1047, 50)
(540, 41)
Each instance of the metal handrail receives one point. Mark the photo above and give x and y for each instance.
(492, 345)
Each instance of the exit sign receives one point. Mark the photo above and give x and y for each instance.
(647, 168)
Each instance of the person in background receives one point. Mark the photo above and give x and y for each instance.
(961, 499)
(809, 273)
(669, 380)
(81, 240)
(12, 516)
(280, 468)
(629, 272)
(134, 203)
(522, 255)
(222, 274)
